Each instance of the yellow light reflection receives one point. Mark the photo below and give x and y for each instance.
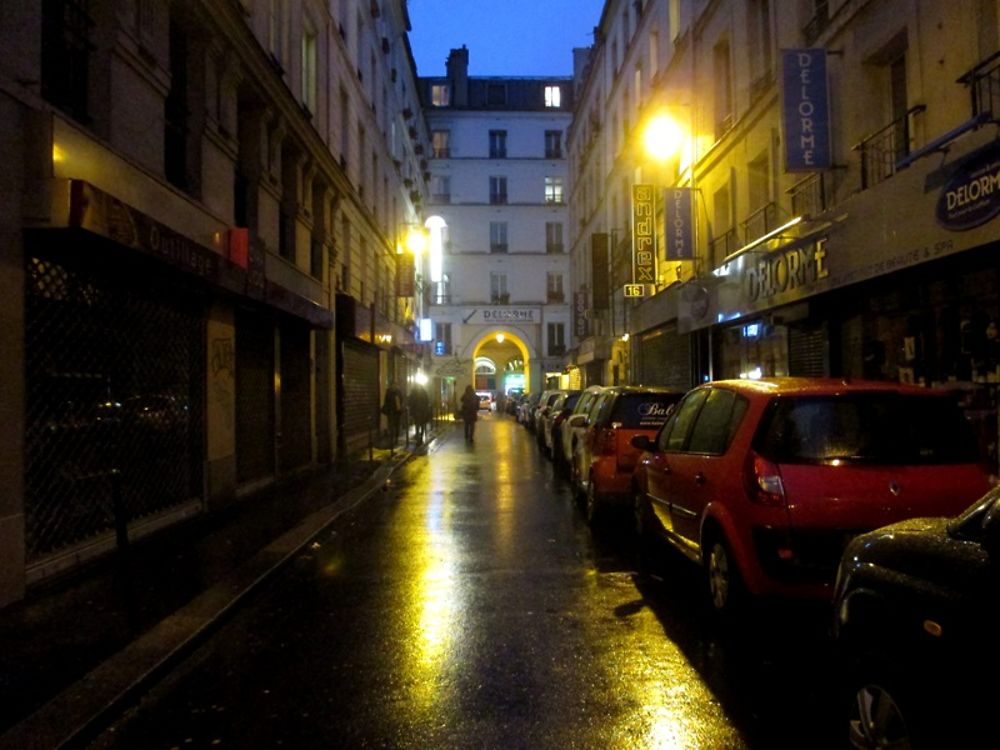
(663, 138)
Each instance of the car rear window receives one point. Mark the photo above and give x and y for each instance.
(643, 411)
(879, 428)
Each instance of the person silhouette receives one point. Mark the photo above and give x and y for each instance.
(470, 412)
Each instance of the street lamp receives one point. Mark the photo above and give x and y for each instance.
(662, 137)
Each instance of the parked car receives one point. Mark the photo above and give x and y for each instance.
(551, 422)
(764, 482)
(573, 433)
(527, 408)
(485, 400)
(545, 405)
(605, 457)
(917, 605)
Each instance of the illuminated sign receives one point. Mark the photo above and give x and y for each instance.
(787, 270)
(972, 197)
(426, 329)
(643, 234)
(679, 236)
(635, 290)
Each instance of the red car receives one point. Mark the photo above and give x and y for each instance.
(764, 482)
(604, 457)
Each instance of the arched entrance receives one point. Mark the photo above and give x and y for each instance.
(509, 357)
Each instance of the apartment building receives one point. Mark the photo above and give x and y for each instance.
(202, 205)
(828, 207)
(497, 277)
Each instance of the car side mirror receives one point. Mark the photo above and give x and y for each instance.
(991, 532)
(642, 442)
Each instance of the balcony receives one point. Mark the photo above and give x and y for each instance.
(500, 299)
(555, 298)
(441, 197)
(760, 222)
(809, 197)
(817, 23)
(498, 199)
(984, 83)
(498, 247)
(557, 350)
(554, 248)
(880, 151)
(723, 246)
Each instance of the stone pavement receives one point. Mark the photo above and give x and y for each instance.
(78, 649)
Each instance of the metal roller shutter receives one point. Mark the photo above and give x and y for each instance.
(115, 374)
(254, 396)
(359, 394)
(663, 358)
(807, 351)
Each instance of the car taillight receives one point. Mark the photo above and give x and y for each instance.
(764, 485)
(604, 441)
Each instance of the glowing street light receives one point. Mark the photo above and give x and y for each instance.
(662, 137)
(500, 338)
(416, 241)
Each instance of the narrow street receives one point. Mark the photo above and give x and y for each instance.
(469, 605)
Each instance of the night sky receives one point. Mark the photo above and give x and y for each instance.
(507, 38)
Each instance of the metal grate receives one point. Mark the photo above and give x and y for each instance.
(113, 402)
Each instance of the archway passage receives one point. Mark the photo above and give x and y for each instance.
(509, 357)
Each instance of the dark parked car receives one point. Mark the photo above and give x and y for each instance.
(552, 423)
(917, 607)
(764, 482)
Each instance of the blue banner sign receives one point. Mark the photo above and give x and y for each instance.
(678, 232)
(805, 109)
(972, 196)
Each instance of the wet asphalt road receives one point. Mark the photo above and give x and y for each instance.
(470, 606)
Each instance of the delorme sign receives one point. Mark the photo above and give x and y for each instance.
(972, 196)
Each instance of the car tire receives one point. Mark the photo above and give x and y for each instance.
(877, 717)
(725, 586)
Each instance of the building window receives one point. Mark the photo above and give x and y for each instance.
(498, 289)
(442, 338)
(553, 144)
(66, 52)
(498, 236)
(175, 132)
(441, 189)
(278, 32)
(498, 144)
(443, 294)
(724, 119)
(553, 237)
(557, 339)
(309, 69)
(553, 96)
(440, 95)
(496, 94)
(498, 190)
(554, 286)
(553, 190)
(441, 143)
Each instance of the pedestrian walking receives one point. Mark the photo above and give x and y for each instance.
(419, 404)
(392, 407)
(470, 412)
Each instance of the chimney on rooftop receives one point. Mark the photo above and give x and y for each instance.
(458, 76)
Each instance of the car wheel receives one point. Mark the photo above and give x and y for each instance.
(725, 587)
(877, 720)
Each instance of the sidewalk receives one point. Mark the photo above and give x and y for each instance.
(77, 648)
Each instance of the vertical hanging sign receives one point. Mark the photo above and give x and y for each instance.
(599, 271)
(678, 234)
(805, 110)
(405, 273)
(643, 234)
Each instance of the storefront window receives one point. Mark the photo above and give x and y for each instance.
(754, 350)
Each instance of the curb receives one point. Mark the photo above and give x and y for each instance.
(79, 713)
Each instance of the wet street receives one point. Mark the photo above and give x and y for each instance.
(470, 605)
